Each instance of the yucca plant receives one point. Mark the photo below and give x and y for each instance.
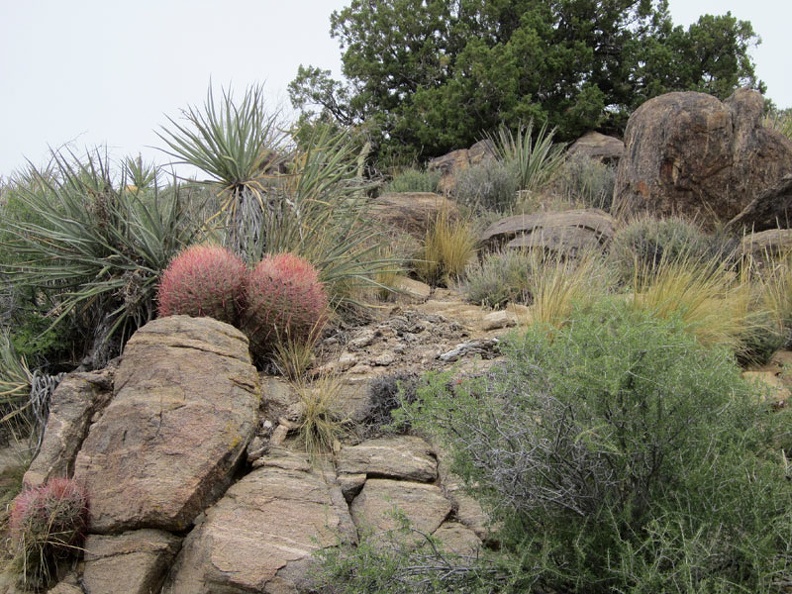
(94, 248)
(537, 159)
(239, 144)
(277, 196)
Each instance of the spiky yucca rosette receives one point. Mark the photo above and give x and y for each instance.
(284, 301)
(203, 281)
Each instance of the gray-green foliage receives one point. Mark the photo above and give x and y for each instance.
(586, 181)
(414, 180)
(490, 187)
(620, 455)
(81, 243)
(499, 278)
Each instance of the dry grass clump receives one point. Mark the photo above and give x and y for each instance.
(322, 423)
(713, 302)
(448, 247)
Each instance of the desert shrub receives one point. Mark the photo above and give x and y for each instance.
(414, 180)
(499, 278)
(448, 246)
(619, 454)
(203, 281)
(588, 182)
(644, 243)
(391, 563)
(322, 422)
(284, 301)
(386, 394)
(490, 186)
(47, 525)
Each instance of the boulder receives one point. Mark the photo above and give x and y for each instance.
(691, 155)
(404, 458)
(772, 209)
(130, 563)
(413, 213)
(594, 145)
(260, 536)
(378, 509)
(79, 397)
(766, 245)
(564, 233)
(450, 164)
(185, 406)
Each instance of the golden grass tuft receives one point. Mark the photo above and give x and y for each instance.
(322, 423)
(448, 247)
(714, 303)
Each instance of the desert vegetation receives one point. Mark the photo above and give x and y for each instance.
(615, 443)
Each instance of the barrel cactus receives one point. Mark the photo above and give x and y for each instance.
(203, 281)
(284, 301)
(47, 524)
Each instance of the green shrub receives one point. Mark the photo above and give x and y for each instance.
(643, 244)
(618, 454)
(492, 187)
(500, 278)
(81, 242)
(413, 180)
(588, 182)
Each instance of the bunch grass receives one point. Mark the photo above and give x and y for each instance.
(449, 245)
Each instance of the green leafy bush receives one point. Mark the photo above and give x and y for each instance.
(619, 454)
(47, 525)
(642, 245)
(203, 280)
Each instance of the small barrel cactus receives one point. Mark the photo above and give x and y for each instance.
(284, 301)
(203, 281)
(47, 524)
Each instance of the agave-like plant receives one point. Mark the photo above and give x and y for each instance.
(537, 159)
(280, 195)
(239, 145)
(94, 247)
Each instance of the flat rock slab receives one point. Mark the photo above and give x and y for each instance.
(273, 518)
(130, 563)
(382, 503)
(404, 458)
(185, 407)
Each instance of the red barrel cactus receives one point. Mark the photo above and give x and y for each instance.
(284, 300)
(203, 281)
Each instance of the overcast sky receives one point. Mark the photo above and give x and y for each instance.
(95, 72)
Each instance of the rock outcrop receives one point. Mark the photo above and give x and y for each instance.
(185, 405)
(690, 154)
(566, 233)
(600, 147)
(449, 165)
(772, 209)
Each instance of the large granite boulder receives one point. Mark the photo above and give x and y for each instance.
(690, 154)
(185, 406)
(413, 213)
(260, 536)
(451, 164)
(79, 397)
(599, 147)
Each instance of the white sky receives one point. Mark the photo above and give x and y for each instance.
(95, 72)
